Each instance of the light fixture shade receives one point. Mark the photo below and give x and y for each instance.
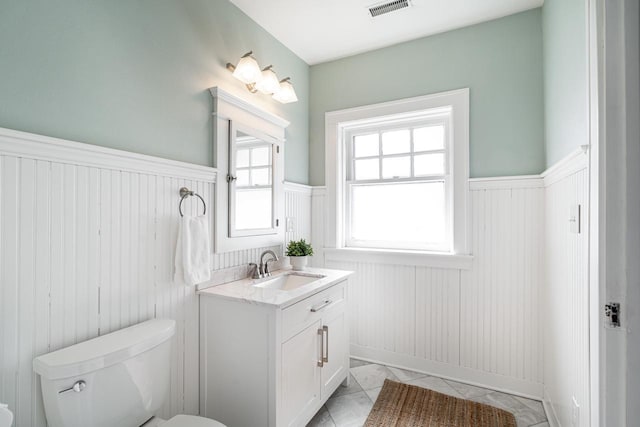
(247, 70)
(268, 82)
(286, 93)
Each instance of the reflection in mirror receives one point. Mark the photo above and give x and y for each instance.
(253, 187)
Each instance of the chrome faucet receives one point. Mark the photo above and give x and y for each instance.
(263, 268)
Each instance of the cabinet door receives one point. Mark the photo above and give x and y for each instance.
(301, 376)
(335, 369)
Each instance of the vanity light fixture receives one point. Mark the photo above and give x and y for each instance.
(266, 81)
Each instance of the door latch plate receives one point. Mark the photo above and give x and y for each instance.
(612, 313)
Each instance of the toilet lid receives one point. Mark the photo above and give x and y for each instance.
(191, 421)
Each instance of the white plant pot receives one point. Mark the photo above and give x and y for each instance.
(298, 263)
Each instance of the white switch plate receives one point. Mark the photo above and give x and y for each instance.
(575, 219)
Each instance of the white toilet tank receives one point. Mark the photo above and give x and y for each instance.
(119, 379)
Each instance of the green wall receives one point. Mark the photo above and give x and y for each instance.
(565, 77)
(134, 75)
(500, 61)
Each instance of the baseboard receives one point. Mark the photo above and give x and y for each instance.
(552, 418)
(449, 371)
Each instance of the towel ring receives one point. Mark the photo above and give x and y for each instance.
(185, 192)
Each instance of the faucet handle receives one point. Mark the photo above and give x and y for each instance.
(253, 270)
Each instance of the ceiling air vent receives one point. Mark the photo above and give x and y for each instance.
(388, 7)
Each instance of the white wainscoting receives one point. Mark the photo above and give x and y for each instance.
(88, 238)
(317, 224)
(480, 324)
(565, 307)
(297, 207)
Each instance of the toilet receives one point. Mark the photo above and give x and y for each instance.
(119, 379)
(6, 417)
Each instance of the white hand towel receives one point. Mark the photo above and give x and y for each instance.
(193, 250)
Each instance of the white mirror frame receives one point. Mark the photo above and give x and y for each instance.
(231, 112)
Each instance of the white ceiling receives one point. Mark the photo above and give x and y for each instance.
(323, 30)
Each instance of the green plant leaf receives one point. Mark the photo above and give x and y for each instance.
(299, 248)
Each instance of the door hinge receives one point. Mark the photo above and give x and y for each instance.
(277, 223)
(277, 149)
(612, 313)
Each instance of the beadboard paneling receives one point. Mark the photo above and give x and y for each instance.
(500, 295)
(437, 315)
(317, 225)
(384, 315)
(297, 212)
(566, 294)
(87, 248)
(479, 325)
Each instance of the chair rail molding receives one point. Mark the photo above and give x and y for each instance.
(39, 147)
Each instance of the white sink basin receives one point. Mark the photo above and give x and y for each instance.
(288, 281)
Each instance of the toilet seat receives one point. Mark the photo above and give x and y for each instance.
(191, 421)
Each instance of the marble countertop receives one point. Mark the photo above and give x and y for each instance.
(245, 291)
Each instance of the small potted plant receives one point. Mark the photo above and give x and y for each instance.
(298, 251)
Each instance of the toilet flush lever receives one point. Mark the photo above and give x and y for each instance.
(77, 387)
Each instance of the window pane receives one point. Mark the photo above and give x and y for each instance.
(367, 169)
(242, 158)
(412, 213)
(396, 167)
(242, 178)
(428, 138)
(260, 176)
(428, 164)
(366, 145)
(396, 141)
(260, 156)
(247, 216)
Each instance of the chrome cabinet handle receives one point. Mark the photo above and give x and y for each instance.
(321, 361)
(325, 358)
(77, 387)
(320, 306)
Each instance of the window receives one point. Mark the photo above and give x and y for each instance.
(397, 175)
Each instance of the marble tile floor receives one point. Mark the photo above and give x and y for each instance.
(350, 406)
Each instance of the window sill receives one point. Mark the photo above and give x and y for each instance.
(400, 257)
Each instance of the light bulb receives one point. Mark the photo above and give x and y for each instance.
(285, 93)
(247, 70)
(268, 82)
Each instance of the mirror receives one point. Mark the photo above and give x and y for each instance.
(251, 178)
(249, 157)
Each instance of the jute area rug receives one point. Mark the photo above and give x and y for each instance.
(404, 405)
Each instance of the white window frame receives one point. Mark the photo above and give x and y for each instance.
(433, 117)
(337, 126)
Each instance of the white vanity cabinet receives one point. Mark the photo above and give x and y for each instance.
(267, 365)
